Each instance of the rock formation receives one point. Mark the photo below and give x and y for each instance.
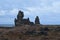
(21, 21)
(37, 20)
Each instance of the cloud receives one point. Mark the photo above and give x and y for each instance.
(2, 12)
(56, 7)
(45, 7)
(13, 11)
(47, 10)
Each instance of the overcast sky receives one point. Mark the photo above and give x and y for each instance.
(47, 10)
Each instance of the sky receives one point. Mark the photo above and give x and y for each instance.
(47, 10)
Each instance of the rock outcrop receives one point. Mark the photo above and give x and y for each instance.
(37, 20)
(21, 21)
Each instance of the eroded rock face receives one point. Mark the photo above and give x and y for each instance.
(37, 20)
(21, 21)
